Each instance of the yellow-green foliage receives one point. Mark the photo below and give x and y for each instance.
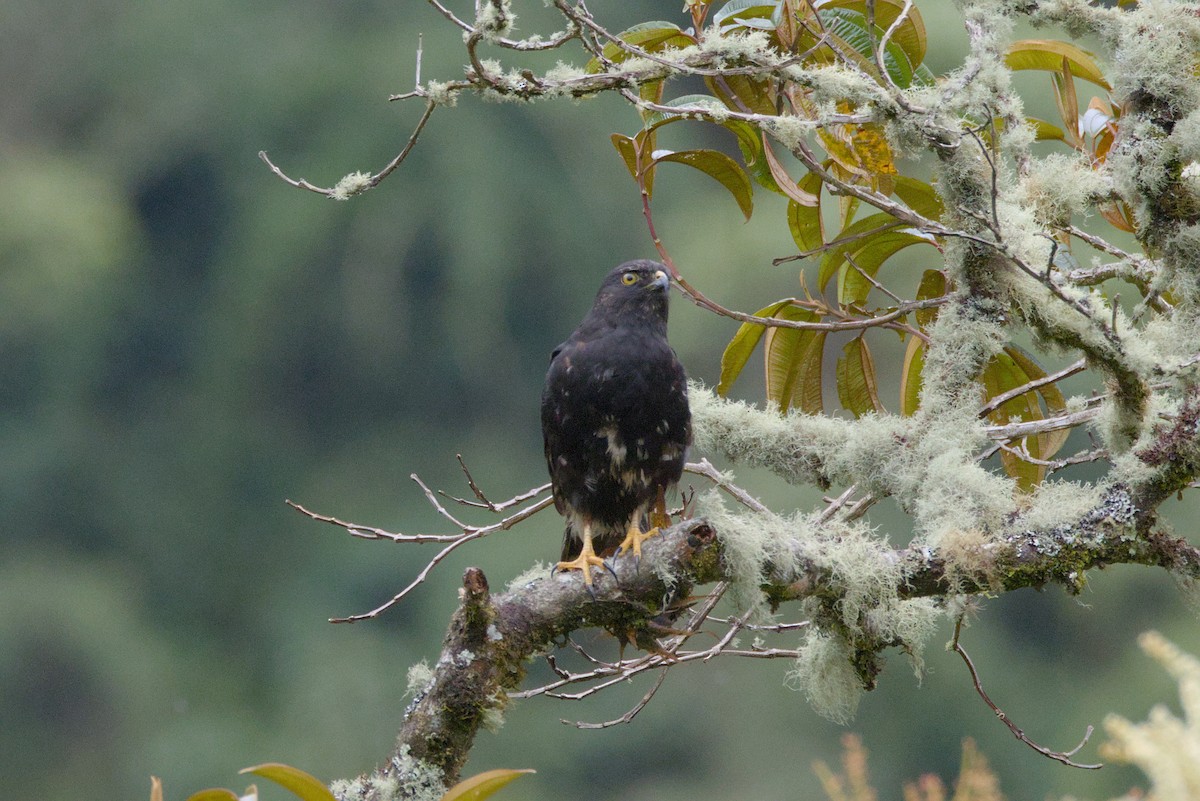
(1166, 748)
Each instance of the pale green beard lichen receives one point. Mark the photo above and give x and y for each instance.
(350, 185)
(902, 457)
(1058, 503)
(824, 674)
(1060, 186)
(539, 571)
(864, 610)
(495, 19)
(420, 676)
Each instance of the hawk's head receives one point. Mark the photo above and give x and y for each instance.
(636, 290)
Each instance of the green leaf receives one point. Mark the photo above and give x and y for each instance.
(786, 186)
(910, 376)
(1001, 375)
(1046, 131)
(919, 196)
(628, 151)
(909, 37)
(933, 285)
(651, 36)
(301, 784)
(792, 361)
(627, 147)
(214, 794)
(856, 235)
(748, 138)
(734, 10)
(1048, 54)
(857, 387)
(1052, 441)
(853, 286)
(805, 221)
(848, 27)
(651, 92)
(742, 92)
(1068, 103)
(483, 785)
(738, 351)
(720, 167)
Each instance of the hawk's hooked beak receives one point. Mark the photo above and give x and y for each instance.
(661, 279)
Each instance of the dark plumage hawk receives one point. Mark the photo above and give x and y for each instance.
(615, 418)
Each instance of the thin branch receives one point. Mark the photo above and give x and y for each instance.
(482, 501)
(370, 533)
(1045, 425)
(1058, 756)
(1004, 397)
(705, 468)
(368, 182)
(631, 714)
(468, 533)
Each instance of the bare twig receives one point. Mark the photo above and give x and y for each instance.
(468, 533)
(368, 182)
(705, 468)
(632, 713)
(1058, 756)
(482, 501)
(1016, 392)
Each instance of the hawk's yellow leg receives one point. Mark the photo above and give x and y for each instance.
(658, 515)
(586, 559)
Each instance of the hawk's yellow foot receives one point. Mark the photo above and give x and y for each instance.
(585, 561)
(634, 537)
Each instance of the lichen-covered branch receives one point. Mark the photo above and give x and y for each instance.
(491, 638)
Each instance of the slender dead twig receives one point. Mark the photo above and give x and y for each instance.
(468, 533)
(631, 714)
(366, 183)
(1058, 756)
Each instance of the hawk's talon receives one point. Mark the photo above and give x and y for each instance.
(584, 563)
(634, 537)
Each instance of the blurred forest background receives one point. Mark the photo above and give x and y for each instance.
(185, 342)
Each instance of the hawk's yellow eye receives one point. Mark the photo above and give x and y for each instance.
(629, 279)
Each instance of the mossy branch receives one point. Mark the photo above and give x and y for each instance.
(490, 639)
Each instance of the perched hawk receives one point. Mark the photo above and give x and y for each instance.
(615, 418)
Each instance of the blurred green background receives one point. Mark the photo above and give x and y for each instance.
(185, 342)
